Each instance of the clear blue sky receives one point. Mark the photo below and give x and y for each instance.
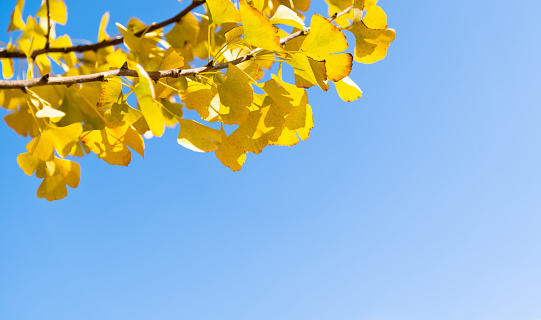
(420, 201)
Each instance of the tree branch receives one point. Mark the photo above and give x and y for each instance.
(106, 43)
(154, 75)
(124, 72)
(48, 44)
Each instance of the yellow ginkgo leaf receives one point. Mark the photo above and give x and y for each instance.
(262, 126)
(348, 90)
(69, 170)
(184, 33)
(198, 137)
(17, 22)
(171, 60)
(222, 11)
(236, 95)
(230, 155)
(372, 35)
(250, 67)
(111, 143)
(147, 103)
(234, 34)
(375, 18)
(60, 138)
(57, 11)
(258, 30)
(337, 6)
(7, 68)
(59, 173)
(298, 121)
(22, 121)
(338, 65)
(44, 109)
(309, 72)
(79, 104)
(324, 38)
(102, 31)
(298, 124)
(66, 60)
(111, 93)
(199, 97)
(28, 163)
(284, 15)
(144, 46)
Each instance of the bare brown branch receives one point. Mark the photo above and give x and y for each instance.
(103, 44)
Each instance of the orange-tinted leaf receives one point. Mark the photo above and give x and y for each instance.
(338, 65)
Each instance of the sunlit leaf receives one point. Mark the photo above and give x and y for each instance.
(259, 31)
(57, 11)
(60, 139)
(28, 163)
(7, 68)
(16, 22)
(371, 44)
(230, 155)
(111, 144)
(58, 174)
(324, 38)
(171, 60)
(111, 92)
(23, 122)
(222, 11)
(262, 126)
(150, 109)
(199, 97)
(298, 120)
(183, 36)
(348, 90)
(198, 137)
(309, 72)
(338, 65)
(286, 16)
(337, 6)
(102, 31)
(236, 95)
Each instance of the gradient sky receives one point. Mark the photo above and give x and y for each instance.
(420, 201)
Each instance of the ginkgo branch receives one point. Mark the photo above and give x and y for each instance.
(122, 72)
(154, 75)
(106, 43)
(48, 35)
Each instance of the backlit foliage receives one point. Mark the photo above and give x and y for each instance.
(216, 60)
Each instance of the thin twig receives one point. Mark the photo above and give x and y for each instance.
(106, 43)
(48, 35)
(305, 32)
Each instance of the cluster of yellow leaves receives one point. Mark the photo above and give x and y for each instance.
(96, 117)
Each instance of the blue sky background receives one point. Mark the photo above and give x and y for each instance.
(419, 201)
